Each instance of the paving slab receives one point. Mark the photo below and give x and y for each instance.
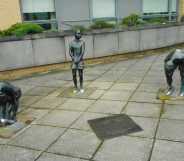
(40, 91)
(96, 94)
(37, 137)
(124, 148)
(59, 118)
(143, 109)
(117, 95)
(145, 97)
(11, 153)
(107, 106)
(171, 130)
(29, 100)
(77, 144)
(153, 88)
(49, 102)
(148, 125)
(173, 112)
(82, 122)
(101, 85)
(54, 157)
(167, 151)
(76, 104)
(124, 86)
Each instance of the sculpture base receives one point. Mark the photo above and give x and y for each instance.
(161, 95)
(9, 128)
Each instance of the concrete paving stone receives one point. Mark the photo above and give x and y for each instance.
(40, 91)
(54, 157)
(173, 112)
(11, 153)
(143, 109)
(145, 97)
(76, 143)
(76, 104)
(96, 94)
(29, 100)
(167, 151)
(101, 85)
(59, 118)
(148, 125)
(33, 113)
(125, 148)
(124, 86)
(82, 122)
(37, 137)
(153, 88)
(56, 93)
(117, 95)
(129, 79)
(49, 102)
(107, 106)
(54, 83)
(171, 130)
(3, 141)
(173, 102)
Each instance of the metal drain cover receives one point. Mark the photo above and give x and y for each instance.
(114, 126)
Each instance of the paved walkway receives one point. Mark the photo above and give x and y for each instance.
(60, 131)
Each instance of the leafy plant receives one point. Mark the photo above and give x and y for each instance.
(131, 20)
(157, 20)
(21, 29)
(99, 24)
(79, 27)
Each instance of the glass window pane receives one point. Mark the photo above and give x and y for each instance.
(155, 6)
(30, 6)
(174, 5)
(103, 8)
(39, 16)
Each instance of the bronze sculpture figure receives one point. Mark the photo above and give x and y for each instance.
(173, 61)
(9, 102)
(76, 51)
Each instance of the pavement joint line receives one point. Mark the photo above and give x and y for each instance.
(146, 102)
(156, 131)
(169, 140)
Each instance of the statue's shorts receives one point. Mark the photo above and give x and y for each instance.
(77, 66)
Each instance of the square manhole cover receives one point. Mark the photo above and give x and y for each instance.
(114, 126)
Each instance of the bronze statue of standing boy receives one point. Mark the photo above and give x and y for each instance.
(76, 51)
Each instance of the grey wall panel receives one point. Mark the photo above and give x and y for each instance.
(181, 34)
(128, 41)
(89, 46)
(16, 54)
(172, 35)
(49, 51)
(105, 44)
(148, 39)
(72, 10)
(127, 7)
(161, 37)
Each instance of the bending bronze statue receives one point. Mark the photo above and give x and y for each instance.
(76, 51)
(9, 102)
(173, 61)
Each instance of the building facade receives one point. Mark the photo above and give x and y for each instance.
(63, 14)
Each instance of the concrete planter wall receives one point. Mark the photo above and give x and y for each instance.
(46, 49)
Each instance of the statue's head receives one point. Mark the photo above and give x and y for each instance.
(78, 35)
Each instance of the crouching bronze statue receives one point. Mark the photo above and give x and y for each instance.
(173, 61)
(76, 51)
(9, 103)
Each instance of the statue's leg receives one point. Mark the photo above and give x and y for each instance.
(81, 80)
(74, 73)
(169, 71)
(181, 69)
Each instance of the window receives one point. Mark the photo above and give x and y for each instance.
(40, 11)
(155, 6)
(103, 8)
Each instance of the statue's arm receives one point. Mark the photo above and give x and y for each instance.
(71, 52)
(82, 51)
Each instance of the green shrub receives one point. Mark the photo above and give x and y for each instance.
(21, 29)
(131, 20)
(157, 20)
(101, 25)
(79, 27)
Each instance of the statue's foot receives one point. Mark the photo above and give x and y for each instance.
(75, 91)
(181, 94)
(169, 91)
(82, 90)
